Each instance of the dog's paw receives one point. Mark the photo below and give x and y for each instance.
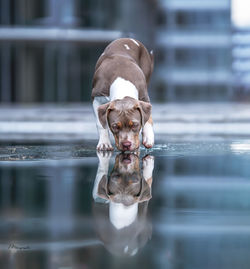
(104, 154)
(148, 143)
(104, 146)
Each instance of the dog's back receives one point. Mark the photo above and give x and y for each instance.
(133, 49)
(126, 58)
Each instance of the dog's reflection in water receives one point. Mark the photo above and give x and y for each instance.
(121, 201)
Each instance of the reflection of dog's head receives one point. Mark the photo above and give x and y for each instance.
(125, 185)
(123, 225)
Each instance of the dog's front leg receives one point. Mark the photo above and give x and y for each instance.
(103, 167)
(104, 140)
(148, 134)
(147, 168)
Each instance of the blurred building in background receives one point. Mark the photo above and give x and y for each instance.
(241, 48)
(194, 43)
(191, 40)
(46, 55)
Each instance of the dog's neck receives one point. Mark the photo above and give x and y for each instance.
(121, 88)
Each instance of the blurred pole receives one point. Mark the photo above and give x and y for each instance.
(5, 12)
(49, 73)
(171, 25)
(5, 56)
(52, 11)
(5, 73)
(61, 201)
(60, 13)
(74, 71)
(6, 182)
(138, 16)
(62, 81)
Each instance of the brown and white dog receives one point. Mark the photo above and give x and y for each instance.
(120, 97)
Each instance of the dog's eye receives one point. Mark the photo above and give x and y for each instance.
(115, 127)
(110, 193)
(115, 176)
(135, 125)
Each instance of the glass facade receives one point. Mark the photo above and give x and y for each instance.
(194, 45)
(55, 71)
(191, 40)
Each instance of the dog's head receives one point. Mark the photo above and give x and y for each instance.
(125, 118)
(125, 184)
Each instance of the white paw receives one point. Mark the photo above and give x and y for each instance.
(148, 142)
(104, 158)
(148, 136)
(148, 166)
(104, 155)
(104, 146)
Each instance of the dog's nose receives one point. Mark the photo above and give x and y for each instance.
(126, 145)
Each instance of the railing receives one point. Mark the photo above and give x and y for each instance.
(41, 34)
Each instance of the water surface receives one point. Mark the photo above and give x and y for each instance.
(59, 210)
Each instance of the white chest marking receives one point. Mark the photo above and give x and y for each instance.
(121, 88)
(135, 42)
(126, 46)
(122, 216)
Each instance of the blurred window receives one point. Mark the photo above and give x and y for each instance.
(207, 58)
(200, 20)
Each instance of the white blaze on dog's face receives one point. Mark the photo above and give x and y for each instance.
(127, 163)
(125, 118)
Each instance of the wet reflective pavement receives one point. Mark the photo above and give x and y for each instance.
(180, 205)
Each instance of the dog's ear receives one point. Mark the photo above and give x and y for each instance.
(145, 111)
(103, 113)
(102, 190)
(145, 193)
